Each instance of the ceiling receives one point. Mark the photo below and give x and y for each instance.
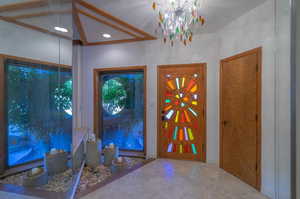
(124, 20)
(140, 14)
(39, 15)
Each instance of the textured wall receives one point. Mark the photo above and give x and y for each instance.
(254, 29)
(23, 42)
(153, 53)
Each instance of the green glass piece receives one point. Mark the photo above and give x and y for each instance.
(177, 30)
(168, 101)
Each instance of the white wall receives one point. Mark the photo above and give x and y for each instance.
(254, 29)
(23, 42)
(153, 53)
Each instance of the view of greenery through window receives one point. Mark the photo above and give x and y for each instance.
(123, 115)
(39, 110)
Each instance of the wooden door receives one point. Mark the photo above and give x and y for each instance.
(181, 111)
(240, 104)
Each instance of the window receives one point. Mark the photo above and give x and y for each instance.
(38, 110)
(122, 109)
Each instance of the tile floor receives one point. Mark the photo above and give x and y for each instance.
(172, 179)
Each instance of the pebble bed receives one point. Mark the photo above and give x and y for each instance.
(89, 178)
(57, 183)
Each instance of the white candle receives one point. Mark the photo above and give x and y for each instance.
(119, 159)
(111, 145)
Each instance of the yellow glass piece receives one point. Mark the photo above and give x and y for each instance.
(182, 82)
(187, 116)
(170, 84)
(194, 89)
(180, 149)
(191, 134)
(166, 125)
(177, 116)
(194, 102)
(168, 108)
(177, 96)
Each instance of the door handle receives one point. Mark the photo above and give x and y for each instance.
(225, 122)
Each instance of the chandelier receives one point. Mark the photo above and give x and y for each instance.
(177, 17)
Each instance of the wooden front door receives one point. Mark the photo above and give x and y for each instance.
(240, 104)
(181, 111)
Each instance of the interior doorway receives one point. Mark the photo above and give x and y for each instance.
(120, 108)
(240, 116)
(182, 111)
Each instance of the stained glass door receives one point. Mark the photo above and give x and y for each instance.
(182, 103)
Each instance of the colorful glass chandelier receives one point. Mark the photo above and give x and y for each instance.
(177, 17)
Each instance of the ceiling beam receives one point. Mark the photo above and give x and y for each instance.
(23, 5)
(32, 27)
(108, 23)
(115, 19)
(78, 25)
(41, 14)
(115, 41)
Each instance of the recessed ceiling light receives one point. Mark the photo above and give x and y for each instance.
(105, 35)
(60, 29)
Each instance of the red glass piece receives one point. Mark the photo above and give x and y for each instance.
(174, 148)
(176, 102)
(182, 118)
(168, 93)
(190, 85)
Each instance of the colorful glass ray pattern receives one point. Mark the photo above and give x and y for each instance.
(181, 107)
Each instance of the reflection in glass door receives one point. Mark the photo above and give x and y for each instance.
(122, 109)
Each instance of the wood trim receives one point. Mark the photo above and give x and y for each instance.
(158, 121)
(3, 130)
(3, 156)
(32, 27)
(23, 5)
(114, 42)
(79, 26)
(107, 23)
(257, 51)
(4, 56)
(115, 19)
(40, 14)
(97, 96)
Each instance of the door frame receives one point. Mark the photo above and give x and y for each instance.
(257, 51)
(158, 116)
(97, 96)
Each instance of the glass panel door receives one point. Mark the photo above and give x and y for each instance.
(122, 110)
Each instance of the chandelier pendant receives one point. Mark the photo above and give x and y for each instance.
(176, 19)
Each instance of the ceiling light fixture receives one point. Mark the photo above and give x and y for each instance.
(60, 29)
(107, 36)
(177, 17)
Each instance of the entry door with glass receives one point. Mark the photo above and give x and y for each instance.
(121, 109)
(181, 111)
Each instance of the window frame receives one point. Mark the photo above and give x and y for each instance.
(3, 118)
(97, 72)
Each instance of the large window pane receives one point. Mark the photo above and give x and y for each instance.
(39, 110)
(123, 110)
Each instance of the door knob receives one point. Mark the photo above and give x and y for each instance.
(225, 122)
